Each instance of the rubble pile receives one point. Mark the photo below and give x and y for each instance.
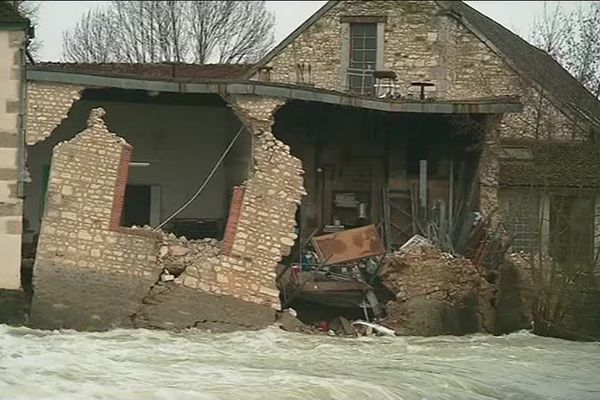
(177, 253)
(427, 271)
(436, 292)
(188, 293)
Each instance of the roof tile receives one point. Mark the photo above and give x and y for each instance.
(162, 71)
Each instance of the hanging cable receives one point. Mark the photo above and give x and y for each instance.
(208, 178)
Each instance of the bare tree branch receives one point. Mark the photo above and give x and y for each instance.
(31, 10)
(573, 39)
(177, 31)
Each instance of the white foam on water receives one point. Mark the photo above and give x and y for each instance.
(272, 364)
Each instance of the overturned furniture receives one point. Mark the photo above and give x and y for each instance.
(337, 273)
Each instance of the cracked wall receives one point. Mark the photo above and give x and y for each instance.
(261, 227)
(90, 273)
(47, 105)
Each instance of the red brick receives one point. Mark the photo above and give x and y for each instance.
(232, 220)
(123, 175)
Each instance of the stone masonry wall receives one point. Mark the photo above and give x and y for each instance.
(422, 42)
(11, 207)
(255, 112)
(261, 225)
(89, 273)
(540, 120)
(489, 170)
(47, 105)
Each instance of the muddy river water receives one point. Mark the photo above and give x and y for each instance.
(272, 364)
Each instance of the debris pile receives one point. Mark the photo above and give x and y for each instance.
(176, 254)
(436, 292)
(424, 270)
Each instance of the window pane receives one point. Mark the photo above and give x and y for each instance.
(364, 29)
(370, 29)
(521, 219)
(363, 53)
(358, 30)
(357, 56)
(571, 228)
(354, 82)
(358, 44)
(369, 56)
(356, 65)
(371, 43)
(369, 82)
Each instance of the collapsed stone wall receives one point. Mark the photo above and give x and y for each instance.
(201, 288)
(47, 105)
(429, 272)
(90, 273)
(436, 293)
(255, 112)
(261, 225)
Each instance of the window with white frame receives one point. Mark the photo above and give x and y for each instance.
(363, 57)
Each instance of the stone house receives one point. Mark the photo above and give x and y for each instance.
(366, 100)
(14, 31)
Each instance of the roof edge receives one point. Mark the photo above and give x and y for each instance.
(448, 6)
(270, 89)
(290, 38)
(15, 26)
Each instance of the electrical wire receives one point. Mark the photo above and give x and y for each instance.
(208, 178)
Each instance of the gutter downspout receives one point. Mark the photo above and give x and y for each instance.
(23, 175)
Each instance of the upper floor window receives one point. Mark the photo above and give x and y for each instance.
(363, 57)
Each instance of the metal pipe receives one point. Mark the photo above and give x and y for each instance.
(22, 173)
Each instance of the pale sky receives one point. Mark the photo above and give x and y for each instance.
(57, 16)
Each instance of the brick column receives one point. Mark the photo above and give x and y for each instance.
(122, 175)
(232, 220)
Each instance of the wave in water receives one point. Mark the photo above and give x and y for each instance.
(142, 364)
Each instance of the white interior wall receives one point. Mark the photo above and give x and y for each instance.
(180, 142)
